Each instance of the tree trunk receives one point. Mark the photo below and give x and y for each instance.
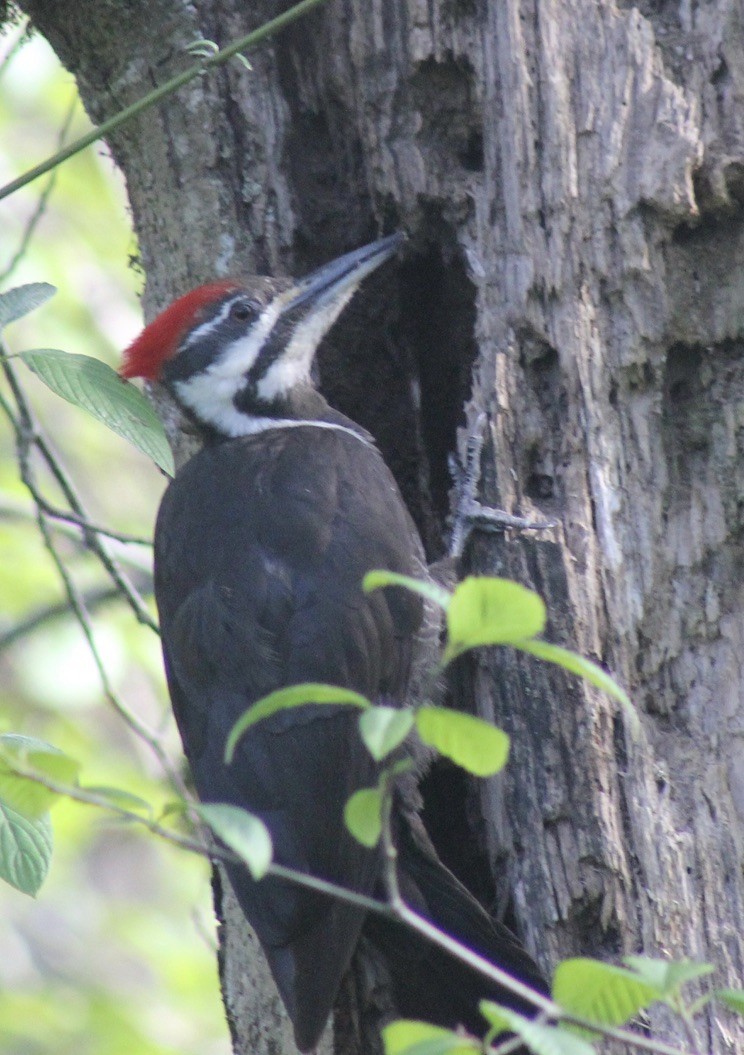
(572, 179)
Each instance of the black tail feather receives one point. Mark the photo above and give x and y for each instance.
(429, 983)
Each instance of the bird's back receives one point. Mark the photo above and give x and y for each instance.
(270, 595)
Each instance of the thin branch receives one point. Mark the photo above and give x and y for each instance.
(92, 600)
(93, 540)
(140, 728)
(250, 40)
(546, 1007)
(390, 851)
(69, 522)
(508, 1047)
(689, 1026)
(478, 963)
(88, 526)
(195, 845)
(554, 1011)
(29, 435)
(422, 926)
(43, 201)
(21, 39)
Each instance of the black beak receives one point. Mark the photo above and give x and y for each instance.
(339, 279)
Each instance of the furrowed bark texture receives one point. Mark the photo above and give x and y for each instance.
(572, 178)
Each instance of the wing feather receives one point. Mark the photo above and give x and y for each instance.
(263, 591)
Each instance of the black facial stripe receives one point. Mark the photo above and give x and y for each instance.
(275, 344)
(200, 349)
(195, 359)
(246, 401)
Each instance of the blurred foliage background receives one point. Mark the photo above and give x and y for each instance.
(116, 954)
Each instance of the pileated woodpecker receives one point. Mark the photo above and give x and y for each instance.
(261, 544)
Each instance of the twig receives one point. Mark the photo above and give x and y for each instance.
(82, 522)
(129, 717)
(43, 201)
(474, 960)
(27, 435)
(248, 41)
(403, 914)
(390, 860)
(91, 601)
(689, 1026)
(201, 847)
(507, 1047)
(554, 1011)
(15, 47)
(69, 522)
(489, 970)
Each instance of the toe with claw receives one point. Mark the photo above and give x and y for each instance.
(470, 514)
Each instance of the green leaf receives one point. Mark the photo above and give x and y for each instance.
(94, 386)
(576, 664)
(496, 1016)
(247, 835)
(25, 849)
(601, 992)
(375, 580)
(15, 303)
(295, 696)
(475, 745)
(451, 1044)
(23, 794)
(409, 1037)
(541, 1039)
(118, 797)
(176, 807)
(363, 816)
(385, 728)
(666, 975)
(732, 998)
(489, 611)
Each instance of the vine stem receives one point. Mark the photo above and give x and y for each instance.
(546, 1007)
(91, 601)
(29, 435)
(41, 205)
(250, 40)
(401, 912)
(69, 523)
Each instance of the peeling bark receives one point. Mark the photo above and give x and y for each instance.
(572, 178)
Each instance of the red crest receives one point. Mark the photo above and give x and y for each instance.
(158, 342)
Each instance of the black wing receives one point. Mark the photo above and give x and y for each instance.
(261, 546)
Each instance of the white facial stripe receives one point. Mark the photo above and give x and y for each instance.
(238, 357)
(210, 399)
(211, 324)
(294, 365)
(210, 394)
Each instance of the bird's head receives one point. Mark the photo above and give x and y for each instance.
(234, 354)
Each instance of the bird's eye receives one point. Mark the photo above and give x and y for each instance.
(241, 311)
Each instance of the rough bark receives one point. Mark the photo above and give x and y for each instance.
(572, 178)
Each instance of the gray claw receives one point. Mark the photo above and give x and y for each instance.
(470, 513)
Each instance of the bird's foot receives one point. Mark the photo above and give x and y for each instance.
(470, 514)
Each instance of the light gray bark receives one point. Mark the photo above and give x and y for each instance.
(572, 178)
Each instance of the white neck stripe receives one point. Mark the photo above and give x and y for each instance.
(253, 426)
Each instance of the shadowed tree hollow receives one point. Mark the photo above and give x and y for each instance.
(571, 178)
